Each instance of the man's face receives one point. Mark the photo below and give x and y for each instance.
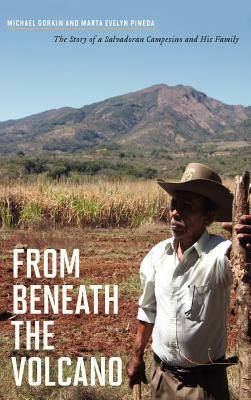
(188, 217)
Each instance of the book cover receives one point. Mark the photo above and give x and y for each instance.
(98, 100)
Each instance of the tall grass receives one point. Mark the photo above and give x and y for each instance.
(94, 203)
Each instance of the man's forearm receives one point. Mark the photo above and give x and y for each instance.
(136, 366)
(143, 334)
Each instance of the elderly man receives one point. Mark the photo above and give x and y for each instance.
(186, 284)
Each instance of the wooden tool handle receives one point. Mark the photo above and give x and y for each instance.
(137, 392)
(241, 264)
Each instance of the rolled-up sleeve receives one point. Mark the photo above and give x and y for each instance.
(223, 266)
(147, 301)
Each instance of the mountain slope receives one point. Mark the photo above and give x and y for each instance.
(157, 116)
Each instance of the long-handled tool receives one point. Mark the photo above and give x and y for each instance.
(241, 263)
(137, 392)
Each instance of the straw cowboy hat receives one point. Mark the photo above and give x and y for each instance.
(200, 179)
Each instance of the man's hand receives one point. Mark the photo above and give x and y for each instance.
(135, 369)
(243, 230)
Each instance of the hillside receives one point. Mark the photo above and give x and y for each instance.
(153, 117)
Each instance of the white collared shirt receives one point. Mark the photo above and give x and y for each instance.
(187, 300)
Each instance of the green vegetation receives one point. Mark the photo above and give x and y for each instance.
(54, 168)
(116, 162)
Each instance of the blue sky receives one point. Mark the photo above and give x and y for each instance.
(38, 74)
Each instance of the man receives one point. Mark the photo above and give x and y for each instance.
(186, 288)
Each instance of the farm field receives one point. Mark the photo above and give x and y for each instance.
(107, 256)
(113, 224)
